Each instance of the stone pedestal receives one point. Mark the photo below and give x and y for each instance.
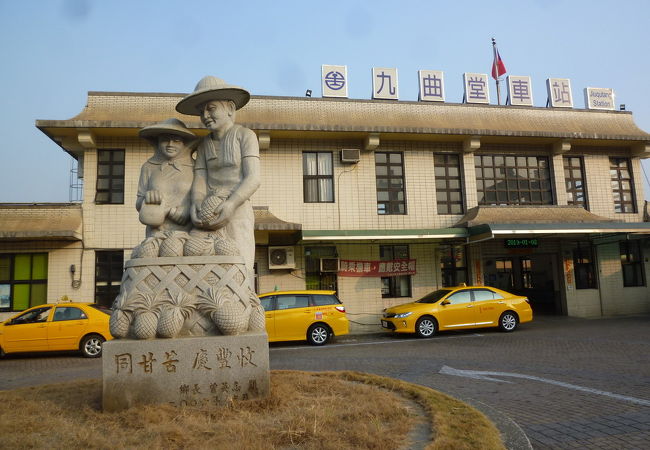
(191, 371)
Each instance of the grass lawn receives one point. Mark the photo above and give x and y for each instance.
(306, 410)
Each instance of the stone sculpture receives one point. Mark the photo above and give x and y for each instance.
(192, 275)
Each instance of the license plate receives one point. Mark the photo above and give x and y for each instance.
(384, 324)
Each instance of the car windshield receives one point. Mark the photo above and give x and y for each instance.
(434, 296)
(102, 308)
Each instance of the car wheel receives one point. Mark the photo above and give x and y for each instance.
(318, 334)
(508, 321)
(91, 346)
(425, 327)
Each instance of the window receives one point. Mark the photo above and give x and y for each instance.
(292, 301)
(267, 303)
(68, 313)
(583, 266)
(513, 180)
(574, 179)
(389, 169)
(622, 185)
(23, 281)
(632, 264)
(110, 177)
(108, 275)
(399, 286)
(449, 193)
(318, 177)
(453, 266)
(324, 300)
(460, 297)
(485, 294)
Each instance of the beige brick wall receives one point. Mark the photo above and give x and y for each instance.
(616, 299)
(117, 226)
(355, 187)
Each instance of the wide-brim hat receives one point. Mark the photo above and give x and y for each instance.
(212, 88)
(169, 126)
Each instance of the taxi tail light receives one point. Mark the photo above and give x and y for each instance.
(340, 308)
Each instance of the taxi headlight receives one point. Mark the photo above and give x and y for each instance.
(402, 315)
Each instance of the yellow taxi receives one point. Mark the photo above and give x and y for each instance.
(315, 316)
(457, 308)
(57, 327)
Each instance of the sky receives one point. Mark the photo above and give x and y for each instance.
(53, 52)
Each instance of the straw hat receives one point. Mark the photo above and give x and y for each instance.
(169, 126)
(212, 88)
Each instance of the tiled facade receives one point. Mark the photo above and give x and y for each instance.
(116, 227)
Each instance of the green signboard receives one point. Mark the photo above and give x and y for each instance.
(521, 243)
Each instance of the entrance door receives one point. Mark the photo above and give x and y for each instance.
(533, 275)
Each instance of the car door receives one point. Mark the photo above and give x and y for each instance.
(28, 332)
(268, 303)
(68, 325)
(456, 311)
(488, 305)
(292, 317)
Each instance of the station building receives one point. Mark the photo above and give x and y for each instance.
(544, 202)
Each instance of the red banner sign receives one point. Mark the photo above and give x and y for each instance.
(394, 268)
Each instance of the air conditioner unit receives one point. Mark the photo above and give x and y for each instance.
(281, 258)
(350, 155)
(329, 265)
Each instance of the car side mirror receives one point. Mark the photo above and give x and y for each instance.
(445, 302)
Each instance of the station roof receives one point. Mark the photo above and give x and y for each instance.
(40, 221)
(119, 113)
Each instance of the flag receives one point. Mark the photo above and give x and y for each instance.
(498, 68)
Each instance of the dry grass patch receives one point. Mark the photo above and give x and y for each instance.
(305, 410)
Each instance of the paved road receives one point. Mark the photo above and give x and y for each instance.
(567, 383)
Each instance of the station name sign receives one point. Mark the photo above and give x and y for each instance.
(431, 83)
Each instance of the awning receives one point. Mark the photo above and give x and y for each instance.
(373, 235)
(52, 221)
(487, 222)
(266, 221)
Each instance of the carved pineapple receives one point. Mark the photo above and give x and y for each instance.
(210, 203)
(120, 322)
(196, 246)
(225, 246)
(120, 318)
(257, 320)
(173, 313)
(230, 314)
(146, 312)
(149, 248)
(172, 246)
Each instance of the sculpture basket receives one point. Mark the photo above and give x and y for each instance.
(194, 276)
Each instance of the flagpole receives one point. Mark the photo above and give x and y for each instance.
(494, 52)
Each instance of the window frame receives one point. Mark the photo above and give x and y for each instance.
(394, 290)
(503, 186)
(579, 253)
(30, 282)
(318, 177)
(392, 205)
(455, 273)
(626, 250)
(446, 178)
(110, 282)
(616, 182)
(570, 181)
(113, 191)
